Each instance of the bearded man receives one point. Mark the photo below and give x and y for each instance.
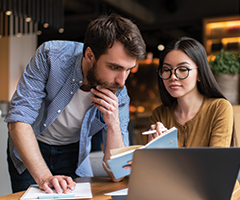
(68, 92)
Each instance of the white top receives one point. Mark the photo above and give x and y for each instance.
(66, 127)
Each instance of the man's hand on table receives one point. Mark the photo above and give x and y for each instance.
(62, 184)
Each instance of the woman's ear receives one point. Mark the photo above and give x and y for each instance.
(89, 55)
(199, 79)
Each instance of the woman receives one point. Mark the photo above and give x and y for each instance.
(191, 98)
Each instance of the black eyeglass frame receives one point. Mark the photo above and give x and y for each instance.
(189, 69)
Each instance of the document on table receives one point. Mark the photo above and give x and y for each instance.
(82, 191)
(119, 194)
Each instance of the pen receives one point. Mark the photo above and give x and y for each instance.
(148, 132)
(152, 131)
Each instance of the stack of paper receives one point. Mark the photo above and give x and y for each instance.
(82, 191)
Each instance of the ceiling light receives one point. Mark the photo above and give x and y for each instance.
(46, 25)
(8, 12)
(28, 19)
(39, 32)
(61, 30)
(161, 47)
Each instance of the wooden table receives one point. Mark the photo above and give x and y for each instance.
(99, 186)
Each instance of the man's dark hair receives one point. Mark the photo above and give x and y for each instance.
(103, 31)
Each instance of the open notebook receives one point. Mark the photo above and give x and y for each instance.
(184, 173)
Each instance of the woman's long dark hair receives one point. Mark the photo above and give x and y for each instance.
(207, 84)
(196, 52)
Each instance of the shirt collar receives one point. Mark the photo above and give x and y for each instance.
(78, 74)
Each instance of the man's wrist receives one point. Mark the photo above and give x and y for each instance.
(43, 178)
(114, 127)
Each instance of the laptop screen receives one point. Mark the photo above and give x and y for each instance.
(184, 173)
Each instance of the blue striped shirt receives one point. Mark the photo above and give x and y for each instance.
(46, 86)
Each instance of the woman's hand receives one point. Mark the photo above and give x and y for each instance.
(129, 166)
(160, 129)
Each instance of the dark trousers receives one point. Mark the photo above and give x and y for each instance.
(61, 160)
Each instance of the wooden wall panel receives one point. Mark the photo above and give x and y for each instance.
(4, 69)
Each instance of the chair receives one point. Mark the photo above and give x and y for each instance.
(236, 113)
(96, 163)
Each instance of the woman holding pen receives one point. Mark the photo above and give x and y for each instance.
(191, 98)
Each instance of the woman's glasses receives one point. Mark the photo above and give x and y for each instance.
(180, 72)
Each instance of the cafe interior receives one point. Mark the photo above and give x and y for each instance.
(26, 24)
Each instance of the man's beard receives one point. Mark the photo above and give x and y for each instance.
(94, 80)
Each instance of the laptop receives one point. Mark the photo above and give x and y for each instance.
(183, 174)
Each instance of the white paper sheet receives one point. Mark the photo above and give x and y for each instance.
(118, 192)
(82, 190)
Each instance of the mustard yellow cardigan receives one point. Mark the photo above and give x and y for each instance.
(212, 126)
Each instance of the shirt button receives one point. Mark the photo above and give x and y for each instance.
(73, 80)
(59, 111)
(71, 92)
(45, 125)
(80, 81)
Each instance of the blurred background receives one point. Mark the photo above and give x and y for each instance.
(26, 24)
(159, 22)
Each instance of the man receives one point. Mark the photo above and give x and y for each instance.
(67, 93)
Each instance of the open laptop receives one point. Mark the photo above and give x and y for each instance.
(183, 174)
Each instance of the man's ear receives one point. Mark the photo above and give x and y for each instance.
(89, 55)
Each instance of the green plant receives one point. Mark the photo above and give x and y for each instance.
(225, 62)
